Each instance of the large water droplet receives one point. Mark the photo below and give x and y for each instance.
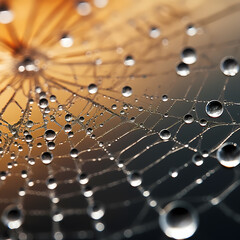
(127, 91)
(179, 220)
(188, 118)
(6, 15)
(43, 103)
(50, 135)
(46, 157)
(74, 153)
(12, 217)
(229, 154)
(92, 88)
(229, 66)
(164, 134)
(214, 109)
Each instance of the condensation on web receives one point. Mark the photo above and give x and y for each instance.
(105, 116)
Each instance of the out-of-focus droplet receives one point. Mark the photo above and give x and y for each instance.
(178, 220)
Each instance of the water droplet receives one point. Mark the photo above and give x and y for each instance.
(58, 236)
(21, 192)
(68, 117)
(229, 66)
(92, 88)
(197, 159)
(46, 157)
(27, 65)
(74, 153)
(24, 174)
(53, 98)
(127, 91)
(82, 178)
(179, 220)
(191, 30)
(29, 123)
(31, 161)
(6, 15)
(50, 135)
(51, 145)
(57, 216)
(3, 175)
(188, 55)
(164, 98)
(66, 41)
(173, 173)
(154, 32)
(28, 138)
(182, 69)
(99, 226)
(214, 109)
(96, 211)
(129, 61)
(100, 3)
(89, 131)
(84, 8)
(51, 183)
(12, 217)
(87, 191)
(205, 153)
(188, 118)
(81, 119)
(134, 179)
(164, 134)
(43, 103)
(229, 154)
(203, 122)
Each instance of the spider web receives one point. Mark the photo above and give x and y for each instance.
(115, 135)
